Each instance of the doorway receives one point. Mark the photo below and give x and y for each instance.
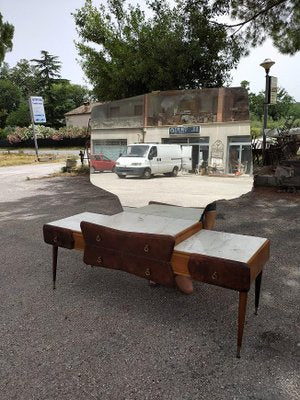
(239, 158)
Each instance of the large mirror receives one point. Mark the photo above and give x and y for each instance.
(184, 147)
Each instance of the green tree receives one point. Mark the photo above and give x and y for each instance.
(65, 97)
(25, 76)
(295, 110)
(26, 79)
(6, 37)
(176, 48)
(48, 72)
(10, 97)
(282, 108)
(20, 116)
(4, 71)
(259, 19)
(48, 69)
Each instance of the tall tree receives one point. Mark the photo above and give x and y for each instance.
(48, 69)
(176, 48)
(6, 37)
(48, 72)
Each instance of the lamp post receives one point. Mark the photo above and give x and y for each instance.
(267, 64)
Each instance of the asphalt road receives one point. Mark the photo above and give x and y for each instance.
(105, 334)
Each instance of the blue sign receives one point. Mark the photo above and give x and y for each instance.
(184, 130)
(37, 109)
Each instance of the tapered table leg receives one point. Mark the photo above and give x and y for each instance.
(241, 320)
(54, 263)
(257, 291)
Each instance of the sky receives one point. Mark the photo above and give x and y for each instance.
(49, 25)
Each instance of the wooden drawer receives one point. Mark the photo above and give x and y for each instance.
(220, 272)
(57, 236)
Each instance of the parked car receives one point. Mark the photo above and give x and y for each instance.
(100, 163)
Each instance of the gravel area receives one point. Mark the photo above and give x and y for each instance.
(108, 335)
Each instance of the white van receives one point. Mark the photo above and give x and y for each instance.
(146, 159)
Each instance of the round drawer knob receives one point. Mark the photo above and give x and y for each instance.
(98, 238)
(147, 272)
(146, 248)
(99, 260)
(55, 239)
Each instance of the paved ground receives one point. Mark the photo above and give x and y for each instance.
(107, 335)
(28, 171)
(187, 190)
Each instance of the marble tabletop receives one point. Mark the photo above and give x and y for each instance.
(128, 221)
(222, 245)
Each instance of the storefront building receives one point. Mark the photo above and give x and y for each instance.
(211, 124)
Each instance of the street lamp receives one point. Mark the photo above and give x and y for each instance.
(267, 64)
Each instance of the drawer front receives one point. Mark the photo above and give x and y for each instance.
(142, 254)
(59, 237)
(151, 269)
(220, 272)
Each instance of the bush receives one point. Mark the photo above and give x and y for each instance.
(5, 132)
(17, 135)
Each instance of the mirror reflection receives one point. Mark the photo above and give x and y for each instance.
(185, 147)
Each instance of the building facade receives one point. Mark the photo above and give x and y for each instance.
(80, 116)
(212, 124)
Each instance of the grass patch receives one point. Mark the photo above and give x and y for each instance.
(20, 158)
(82, 170)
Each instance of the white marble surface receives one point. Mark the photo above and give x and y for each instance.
(194, 214)
(223, 245)
(127, 221)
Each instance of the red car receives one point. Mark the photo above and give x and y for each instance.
(100, 163)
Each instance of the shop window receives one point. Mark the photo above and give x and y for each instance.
(239, 155)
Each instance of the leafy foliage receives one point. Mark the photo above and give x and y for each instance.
(182, 46)
(285, 109)
(20, 116)
(124, 54)
(64, 97)
(6, 37)
(259, 19)
(25, 76)
(10, 97)
(37, 78)
(48, 69)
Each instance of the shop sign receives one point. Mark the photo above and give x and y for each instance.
(184, 130)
